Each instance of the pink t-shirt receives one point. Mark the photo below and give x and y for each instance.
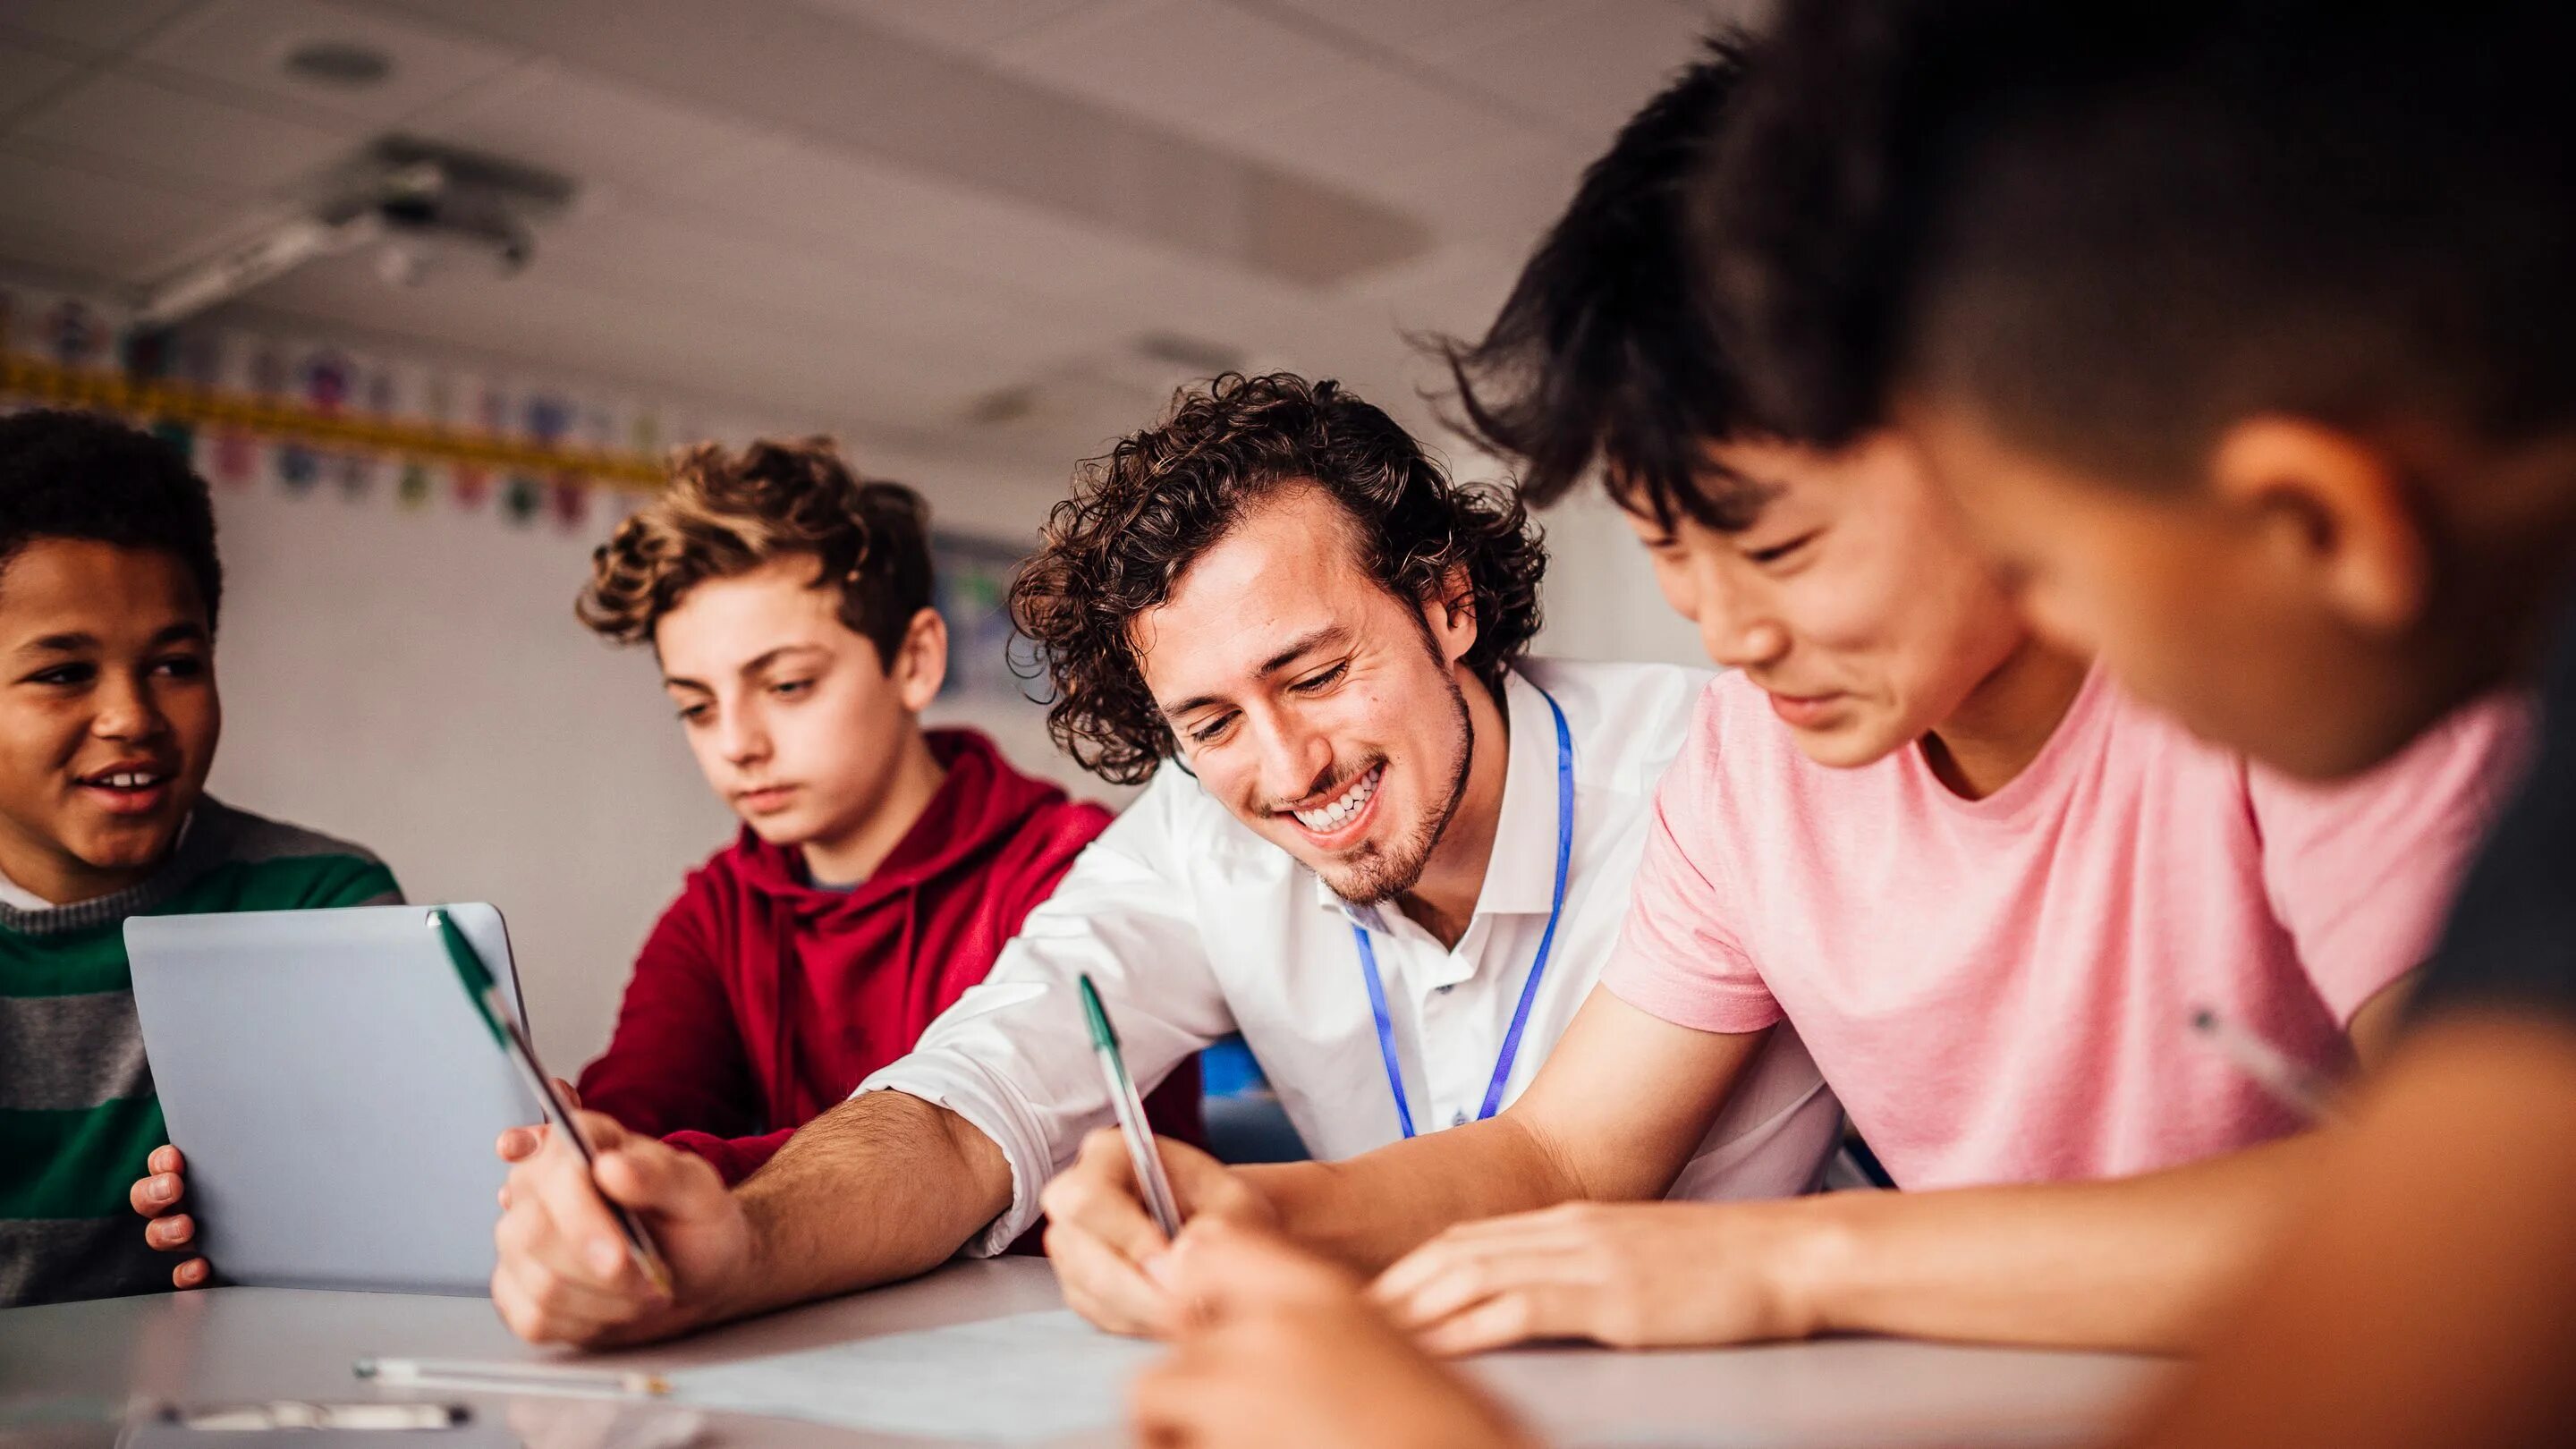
(2001, 990)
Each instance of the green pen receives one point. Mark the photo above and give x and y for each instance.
(485, 993)
(1131, 1116)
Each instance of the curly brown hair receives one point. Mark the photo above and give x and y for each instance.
(1143, 512)
(726, 513)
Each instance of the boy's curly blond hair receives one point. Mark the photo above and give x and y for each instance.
(727, 513)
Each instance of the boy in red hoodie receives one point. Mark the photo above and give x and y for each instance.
(881, 866)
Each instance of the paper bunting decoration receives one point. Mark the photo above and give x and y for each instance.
(521, 497)
(571, 501)
(310, 416)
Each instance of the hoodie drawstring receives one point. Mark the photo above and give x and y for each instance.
(782, 1056)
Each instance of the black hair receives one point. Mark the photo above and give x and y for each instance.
(78, 475)
(1603, 352)
(2113, 228)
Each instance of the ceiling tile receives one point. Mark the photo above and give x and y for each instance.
(800, 73)
(859, 209)
(26, 75)
(1389, 134)
(1401, 23)
(1200, 68)
(79, 221)
(957, 25)
(549, 114)
(888, 302)
(183, 134)
(244, 43)
(96, 25)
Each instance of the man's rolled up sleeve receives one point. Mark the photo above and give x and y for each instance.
(1013, 1056)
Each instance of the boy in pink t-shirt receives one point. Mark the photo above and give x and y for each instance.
(2001, 989)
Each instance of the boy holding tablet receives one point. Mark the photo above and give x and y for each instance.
(109, 589)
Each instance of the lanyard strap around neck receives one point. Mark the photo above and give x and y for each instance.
(1538, 966)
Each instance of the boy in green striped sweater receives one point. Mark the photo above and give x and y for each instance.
(108, 718)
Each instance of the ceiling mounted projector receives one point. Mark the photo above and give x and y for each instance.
(427, 209)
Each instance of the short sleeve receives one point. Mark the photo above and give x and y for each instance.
(1676, 959)
(2364, 871)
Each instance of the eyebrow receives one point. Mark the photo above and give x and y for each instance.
(1295, 649)
(77, 642)
(754, 666)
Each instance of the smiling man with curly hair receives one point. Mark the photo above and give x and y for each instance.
(1392, 852)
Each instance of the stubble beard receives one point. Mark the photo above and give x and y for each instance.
(1374, 875)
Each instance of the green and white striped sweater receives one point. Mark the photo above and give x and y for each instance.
(77, 1112)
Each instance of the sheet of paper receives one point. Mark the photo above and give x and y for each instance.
(1017, 1380)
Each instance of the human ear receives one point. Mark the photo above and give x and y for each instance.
(921, 660)
(2333, 512)
(1451, 613)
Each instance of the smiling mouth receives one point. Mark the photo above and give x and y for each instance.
(1342, 809)
(125, 781)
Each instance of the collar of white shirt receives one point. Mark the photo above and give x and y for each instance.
(1520, 876)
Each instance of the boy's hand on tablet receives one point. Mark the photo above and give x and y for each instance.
(1103, 1242)
(1629, 1275)
(1279, 1349)
(565, 1275)
(166, 1229)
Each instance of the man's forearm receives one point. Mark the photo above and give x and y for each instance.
(2134, 1263)
(1372, 1209)
(881, 1187)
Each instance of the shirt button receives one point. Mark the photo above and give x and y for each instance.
(1458, 1119)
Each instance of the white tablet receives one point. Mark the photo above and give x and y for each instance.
(334, 1091)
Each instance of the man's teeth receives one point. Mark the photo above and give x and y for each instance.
(127, 780)
(1325, 819)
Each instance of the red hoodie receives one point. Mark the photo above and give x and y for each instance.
(760, 999)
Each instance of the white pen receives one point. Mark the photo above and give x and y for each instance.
(2267, 1066)
(1141, 1154)
(513, 1378)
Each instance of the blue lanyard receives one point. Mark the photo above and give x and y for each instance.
(1538, 967)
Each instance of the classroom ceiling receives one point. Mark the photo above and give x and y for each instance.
(994, 230)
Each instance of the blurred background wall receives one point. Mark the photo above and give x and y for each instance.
(975, 239)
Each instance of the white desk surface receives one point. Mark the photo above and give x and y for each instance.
(66, 1369)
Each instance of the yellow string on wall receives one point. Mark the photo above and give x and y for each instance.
(272, 418)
